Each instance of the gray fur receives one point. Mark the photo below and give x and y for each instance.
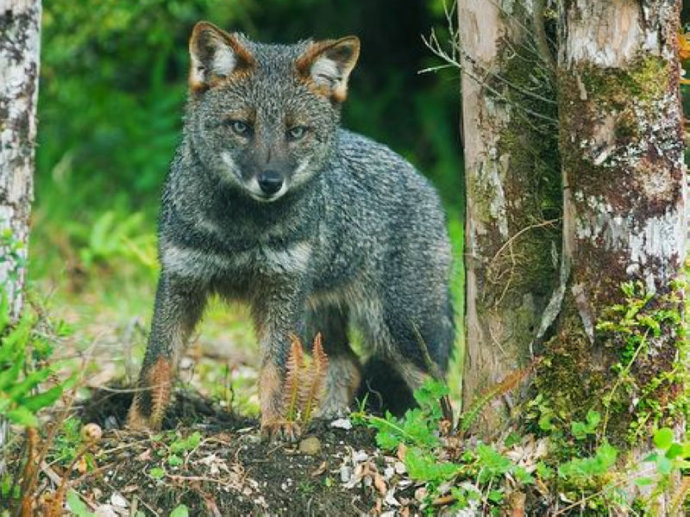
(358, 235)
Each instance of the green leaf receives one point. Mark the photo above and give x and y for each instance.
(22, 416)
(180, 511)
(545, 422)
(77, 506)
(579, 430)
(644, 481)
(157, 473)
(593, 419)
(664, 465)
(674, 451)
(523, 476)
(28, 383)
(607, 453)
(544, 471)
(663, 438)
(512, 439)
(9, 376)
(492, 463)
(495, 496)
(424, 466)
(585, 468)
(174, 460)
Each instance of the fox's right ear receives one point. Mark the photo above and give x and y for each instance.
(215, 55)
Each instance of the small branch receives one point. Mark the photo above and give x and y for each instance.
(540, 36)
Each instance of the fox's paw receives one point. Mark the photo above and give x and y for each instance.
(280, 430)
(140, 420)
(152, 398)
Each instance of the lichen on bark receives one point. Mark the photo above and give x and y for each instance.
(19, 63)
(624, 196)
(512, 177)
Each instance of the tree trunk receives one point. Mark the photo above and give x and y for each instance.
(19, 61)
(513, 193)
(624, 221)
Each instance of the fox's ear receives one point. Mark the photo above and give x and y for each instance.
(327, 65)
(215, 55)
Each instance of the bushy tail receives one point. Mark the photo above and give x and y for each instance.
(384, 388)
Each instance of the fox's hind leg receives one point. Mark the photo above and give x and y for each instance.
(412, 341)
(343, 377)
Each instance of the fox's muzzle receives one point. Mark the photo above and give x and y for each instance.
(270, 182)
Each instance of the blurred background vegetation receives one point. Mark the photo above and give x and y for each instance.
(112, 91)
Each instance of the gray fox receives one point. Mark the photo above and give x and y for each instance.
(269, 202)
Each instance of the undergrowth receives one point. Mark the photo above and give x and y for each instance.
(564, 467)
(525, 473)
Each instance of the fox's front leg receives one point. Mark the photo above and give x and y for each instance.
(179, 305)
(277, 317)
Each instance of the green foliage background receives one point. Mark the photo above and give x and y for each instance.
(113, 82)
(113, 85)
(111, 98)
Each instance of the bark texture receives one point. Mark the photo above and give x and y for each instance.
(621, 148)
(513, 190)
(19, 64)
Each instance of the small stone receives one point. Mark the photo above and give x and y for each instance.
(359, 456)
(105, 510)
(345, 473)
(342, 423)
(310, 446)
(117, 500)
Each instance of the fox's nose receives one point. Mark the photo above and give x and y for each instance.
(270, 182)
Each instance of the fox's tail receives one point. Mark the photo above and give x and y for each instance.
(384, 388)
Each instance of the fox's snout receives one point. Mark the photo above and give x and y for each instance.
(270, 182)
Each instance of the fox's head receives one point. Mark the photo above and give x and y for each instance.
(264, 117)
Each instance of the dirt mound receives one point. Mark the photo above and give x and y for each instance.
(215, 463)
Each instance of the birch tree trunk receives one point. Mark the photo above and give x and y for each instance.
(19, 63)
(621, 148)
(513, 193)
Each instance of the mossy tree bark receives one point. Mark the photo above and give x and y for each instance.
(621, 148)
(19, 62)
(513, 193)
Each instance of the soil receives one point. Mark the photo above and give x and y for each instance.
(230, 470)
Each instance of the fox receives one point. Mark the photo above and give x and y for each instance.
(268, 201)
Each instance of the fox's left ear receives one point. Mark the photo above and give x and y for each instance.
(327, 65)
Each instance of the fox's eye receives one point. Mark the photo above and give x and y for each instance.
(297, 132)
(239, 127)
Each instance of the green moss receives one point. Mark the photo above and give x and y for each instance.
(589, 94)
(481, 193)
(567, 376)
(634, 373)
(644, 79)
(530, 176)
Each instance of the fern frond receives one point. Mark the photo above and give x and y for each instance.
(315, 377)
(294, 367)
(510, 382)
